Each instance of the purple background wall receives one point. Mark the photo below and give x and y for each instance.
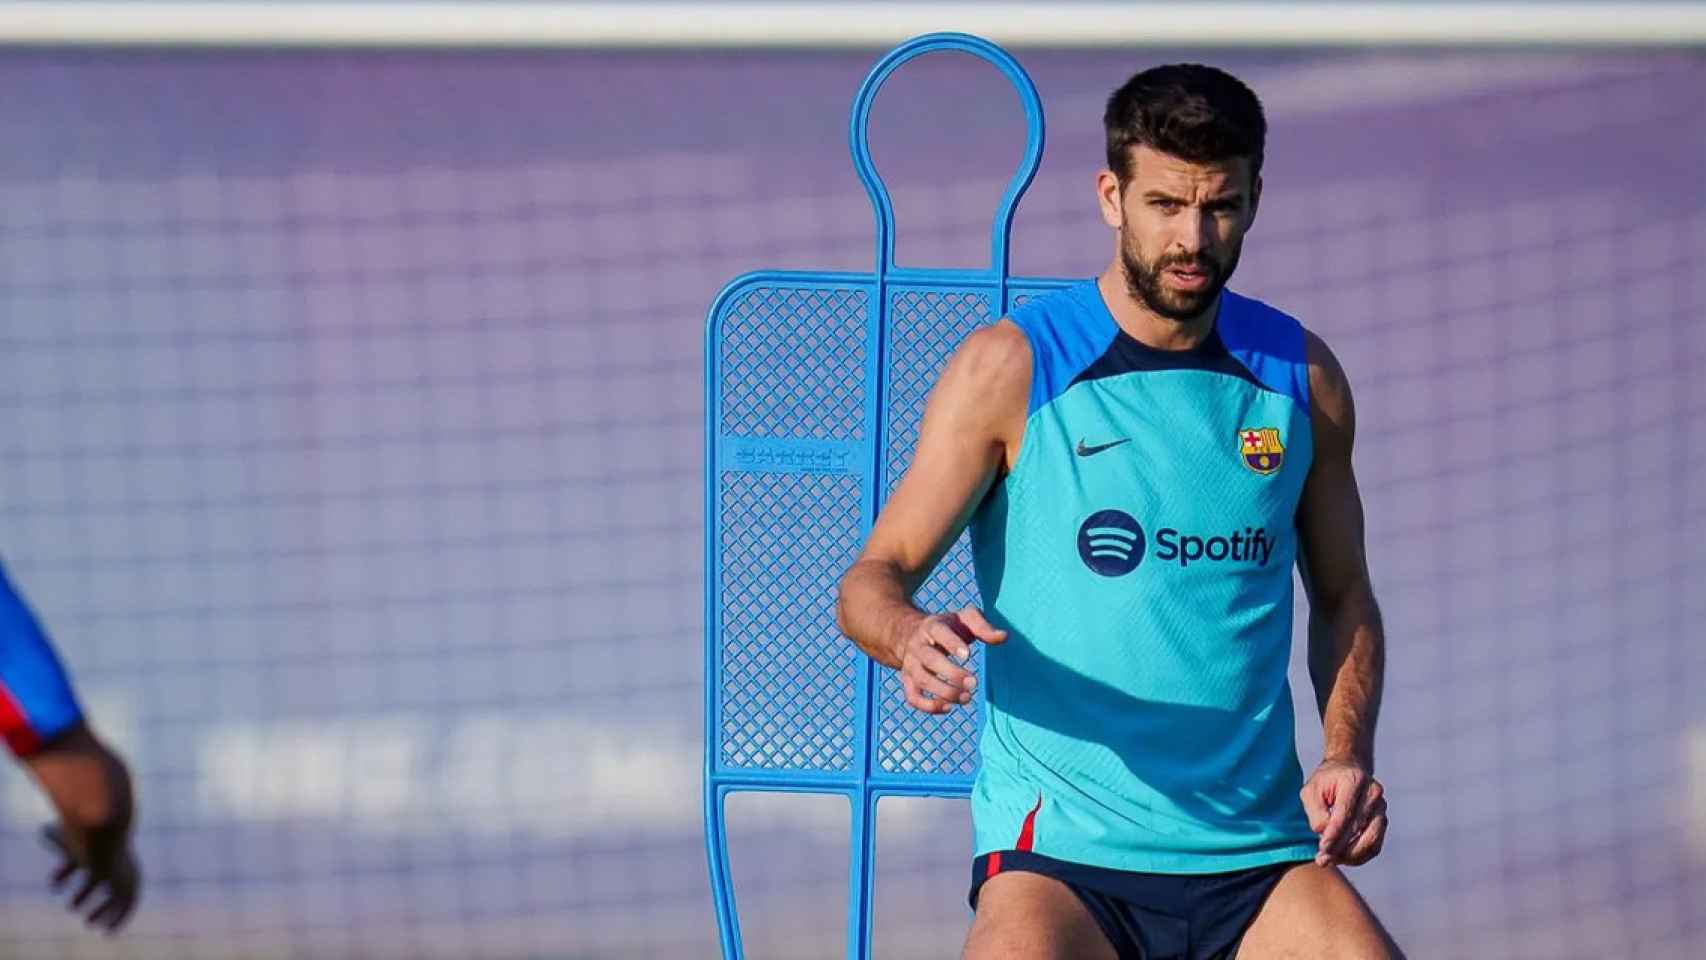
(352, 448)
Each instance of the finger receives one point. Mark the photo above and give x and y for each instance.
(936, 688)
(931, 686)
(980, 626)
(1370, 804)
(124, 907)
(1373, 805)
(913, 697)
(938, 667)
(99, 915)
(110, 913)
(937, 662)
(126, 887)
(945, 636)
(93, 919)
(1368, 843)
(916, 699)
(1313, 806)
(1346, 798)
(120, 916)
(54, 837)
(83, 894)
(69, 862)
(66, 869)
(114, 918)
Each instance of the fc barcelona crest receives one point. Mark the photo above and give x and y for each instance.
(1262, 450)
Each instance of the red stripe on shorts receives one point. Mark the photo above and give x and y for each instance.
(994, 865)
(1028, 831)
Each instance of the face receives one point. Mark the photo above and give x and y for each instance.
(1181, 228)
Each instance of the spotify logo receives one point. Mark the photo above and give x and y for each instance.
(1111, 543)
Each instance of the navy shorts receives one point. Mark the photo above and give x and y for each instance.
(1153, 916)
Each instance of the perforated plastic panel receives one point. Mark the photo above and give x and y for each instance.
(787, 681)
(924, 326)
(794, 362)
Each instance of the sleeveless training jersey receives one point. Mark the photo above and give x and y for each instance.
(1140, 554)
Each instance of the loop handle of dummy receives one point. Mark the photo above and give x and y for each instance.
(859, 134)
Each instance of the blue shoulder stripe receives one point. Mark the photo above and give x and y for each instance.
(1268, 343)
(1066, 336)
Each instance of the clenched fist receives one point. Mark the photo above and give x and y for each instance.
(1347, 807)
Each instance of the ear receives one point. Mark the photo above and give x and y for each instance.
(1108, 198)
(1255, 203)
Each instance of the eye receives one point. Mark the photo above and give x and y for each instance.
(1165, 206)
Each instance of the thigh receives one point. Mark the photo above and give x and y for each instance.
(1315, 913)
(1027, 916)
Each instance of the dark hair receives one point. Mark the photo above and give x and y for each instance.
(1194, 112)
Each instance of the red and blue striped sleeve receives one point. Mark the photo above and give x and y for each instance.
(36, 702)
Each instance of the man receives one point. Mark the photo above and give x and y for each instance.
(1142, 458)
(86, 782)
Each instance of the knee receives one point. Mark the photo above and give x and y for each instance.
(977, 944)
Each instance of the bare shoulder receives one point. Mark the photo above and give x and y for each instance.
(991, 370)
(997, 355)
(1326, 373)
(1329, 386)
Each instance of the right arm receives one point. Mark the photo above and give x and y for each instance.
(970, 433)
(86, 782)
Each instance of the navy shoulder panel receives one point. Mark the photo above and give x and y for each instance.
(1127, 355)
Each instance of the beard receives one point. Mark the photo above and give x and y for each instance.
(1143, 281)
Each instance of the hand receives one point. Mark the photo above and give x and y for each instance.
(90, 789)
(104, 857)
(1347, 807)
(933, 682)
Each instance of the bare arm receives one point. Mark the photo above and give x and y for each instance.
(1347, 642)
(1347, 645)
(969, 434)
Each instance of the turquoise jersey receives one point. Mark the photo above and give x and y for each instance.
(1140, 555)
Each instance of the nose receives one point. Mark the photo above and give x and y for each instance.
(1195, 232)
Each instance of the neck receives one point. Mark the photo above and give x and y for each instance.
(1145, 325)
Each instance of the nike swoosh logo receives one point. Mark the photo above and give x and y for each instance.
(1085, 450)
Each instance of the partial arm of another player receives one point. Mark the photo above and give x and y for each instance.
(90, 788)
(85, 781)
(970, 429)
(1347, 642)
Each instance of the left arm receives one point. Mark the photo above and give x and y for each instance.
(1347, 644)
